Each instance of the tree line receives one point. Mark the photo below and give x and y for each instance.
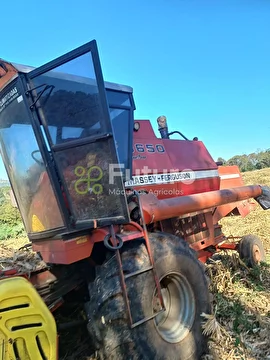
(253, 161)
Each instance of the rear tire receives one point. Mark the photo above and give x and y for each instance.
(251, 250)
(180, 337)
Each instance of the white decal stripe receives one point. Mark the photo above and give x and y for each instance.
(229, 176)
(165, 178)
(203, 174)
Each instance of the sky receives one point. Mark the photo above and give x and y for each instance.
(203, 64)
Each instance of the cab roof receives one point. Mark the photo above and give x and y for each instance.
(20, 68)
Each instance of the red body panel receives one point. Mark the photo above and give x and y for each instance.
(69, 251)
(230, 177)
(194, 169)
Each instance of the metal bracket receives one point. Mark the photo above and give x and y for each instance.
(115, 237)
(264, 198)
(46, 87)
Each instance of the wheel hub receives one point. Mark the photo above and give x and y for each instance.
(256, 253)
(175, 322)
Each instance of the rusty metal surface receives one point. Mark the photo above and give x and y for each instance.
(156, 210)
(7, 72)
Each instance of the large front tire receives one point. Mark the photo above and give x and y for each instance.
(173, 335)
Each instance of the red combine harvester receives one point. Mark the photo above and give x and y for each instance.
(118, 215)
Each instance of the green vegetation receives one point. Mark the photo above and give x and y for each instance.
(254, 161)
(11, 225)
(3, 183)
(240, 327)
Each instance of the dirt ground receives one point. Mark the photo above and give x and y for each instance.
(240, 326)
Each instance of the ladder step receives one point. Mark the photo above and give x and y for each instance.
(138, 272)
(147, 318)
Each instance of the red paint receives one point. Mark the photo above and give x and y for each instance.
(155, 209)
(178, 155)
(64, 252)
(228, 246)
(60, 251)
(234, 179)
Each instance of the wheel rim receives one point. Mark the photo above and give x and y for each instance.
(174, 324)
(256, 253)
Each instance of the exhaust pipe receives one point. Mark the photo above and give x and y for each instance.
(162, 127)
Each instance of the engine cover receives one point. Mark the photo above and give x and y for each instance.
(170, 168)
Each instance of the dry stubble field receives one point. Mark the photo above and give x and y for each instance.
(241, 326)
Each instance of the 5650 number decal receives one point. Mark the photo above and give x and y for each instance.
(150, 148)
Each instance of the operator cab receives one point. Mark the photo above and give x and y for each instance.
(63, 132)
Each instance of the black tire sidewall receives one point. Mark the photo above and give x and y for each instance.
(195, 343)
(246, 249)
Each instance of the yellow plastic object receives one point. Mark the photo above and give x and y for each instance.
(37, 224)
(27, 327)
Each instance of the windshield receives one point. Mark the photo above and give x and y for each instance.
(69, 105)
(69, 101)
(19, 149)
(122, 118)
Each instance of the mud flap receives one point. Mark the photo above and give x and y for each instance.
(27, 327)
(264, 199)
